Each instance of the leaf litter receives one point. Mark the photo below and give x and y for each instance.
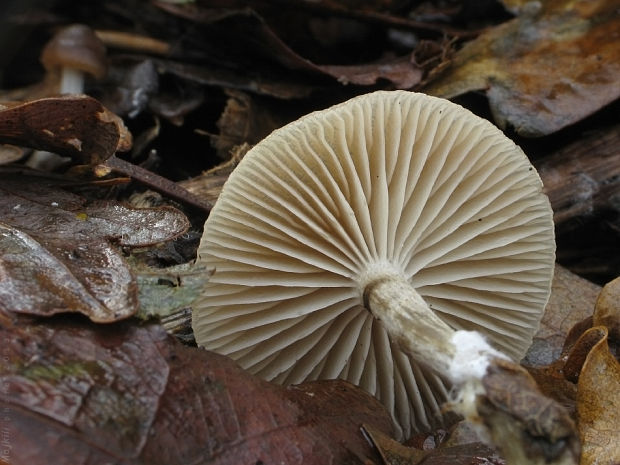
(554, 64)
(131, 394)
(282, 70)
(60, 253)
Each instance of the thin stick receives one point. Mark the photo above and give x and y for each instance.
(156, 182)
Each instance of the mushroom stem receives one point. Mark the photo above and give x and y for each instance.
(410, 322)
(457, 354)
(488, 387)
(71, 81)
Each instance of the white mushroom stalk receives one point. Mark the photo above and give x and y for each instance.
(71, 81)
(382, 241)
(74, 52)
(458, 355)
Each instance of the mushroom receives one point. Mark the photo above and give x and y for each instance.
(71, 53)
(382, 241)
(74, 51)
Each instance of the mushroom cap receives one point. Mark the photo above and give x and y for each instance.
(395, 181)
(76, 47)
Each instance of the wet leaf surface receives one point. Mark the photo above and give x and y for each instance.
(44, 277)
(553, 65)
(163, 291)
(56, 253)
(124, 393)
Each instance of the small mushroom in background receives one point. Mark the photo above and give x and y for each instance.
(384, 241)
(71, 54)
(75, 51)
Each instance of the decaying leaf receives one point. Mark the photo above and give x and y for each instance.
(402, 72)
(76, 126)
(607, 310)
(163, 291)
(552, 382)
(540, 430)
(255, 40)
(245, 119)
(598, 401)
(466, 454)
(44, 277)
(582, 179)
(279, 87)
(572, 300)
(122, 393)
(586, 379)
(394, 453)
(209, 184)
(554, 64)
(55, 251)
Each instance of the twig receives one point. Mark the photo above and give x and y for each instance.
(156, 182)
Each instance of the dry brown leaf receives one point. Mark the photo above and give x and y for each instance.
(245, 120)
(78, 393)
(607, 311)
(394, 453)
(527, 426)
(598, 401)
(572, 300)
(256, 41)
(402, 72)
(587, 381)
(55, 251)
(208, 185)
(553, 65)
(567, 316)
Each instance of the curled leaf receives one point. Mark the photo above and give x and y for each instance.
(571, 301)
(607, 310)
(598, 400)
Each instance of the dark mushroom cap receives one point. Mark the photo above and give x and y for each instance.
(77, 47)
